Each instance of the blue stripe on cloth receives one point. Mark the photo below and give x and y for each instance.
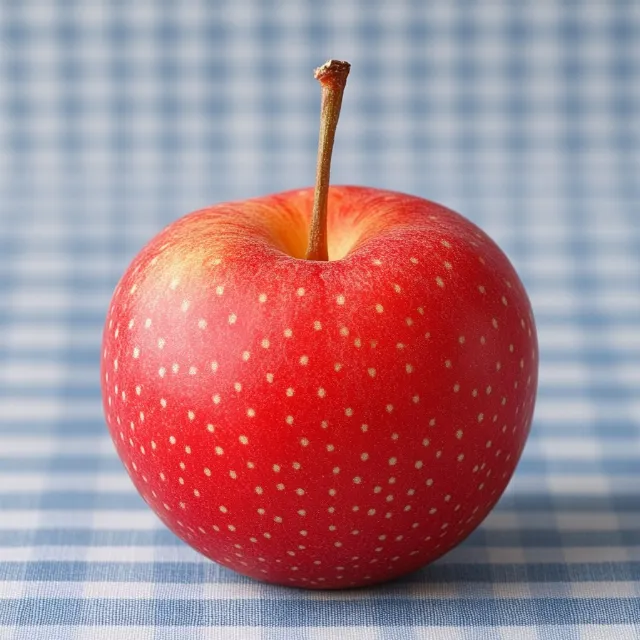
(202, 571)
(296, 613)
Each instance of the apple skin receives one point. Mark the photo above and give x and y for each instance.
(321, 424)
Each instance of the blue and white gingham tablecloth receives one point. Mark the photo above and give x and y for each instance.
(116, 118)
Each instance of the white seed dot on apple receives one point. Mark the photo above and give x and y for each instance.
(317, 325)
(340, 300)
(379, 308)
(288, 333)
(219, 450)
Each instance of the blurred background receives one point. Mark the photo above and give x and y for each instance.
(116, 118)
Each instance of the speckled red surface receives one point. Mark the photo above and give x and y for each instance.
(321, 424)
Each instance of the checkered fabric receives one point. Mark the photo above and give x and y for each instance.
(116, 118)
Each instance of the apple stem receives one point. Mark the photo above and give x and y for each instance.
(332, 76)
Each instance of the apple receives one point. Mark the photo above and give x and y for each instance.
(321, 416)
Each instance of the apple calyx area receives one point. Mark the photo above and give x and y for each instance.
(333, 78)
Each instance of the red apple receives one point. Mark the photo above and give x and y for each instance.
(321, 423)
